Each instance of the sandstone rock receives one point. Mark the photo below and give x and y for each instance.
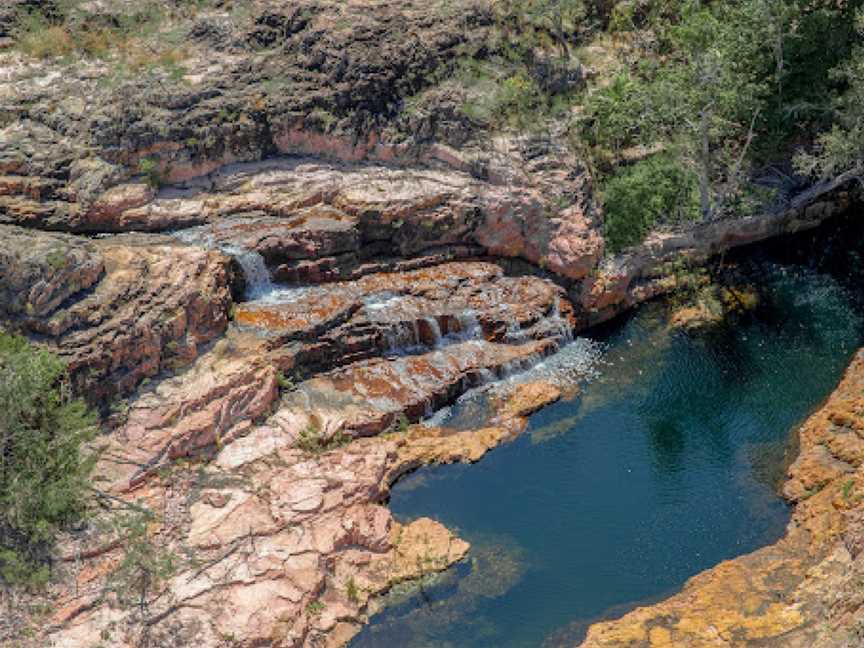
(387, 313)
(40, 271)
(117, 310)
(367, 397)
(526, 398)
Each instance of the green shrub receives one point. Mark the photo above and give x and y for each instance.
(637, 198)
(145, 566)
(152, 172)
(44, 467)
(615, 115)
(40, 38)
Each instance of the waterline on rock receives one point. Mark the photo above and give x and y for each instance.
(574, 364)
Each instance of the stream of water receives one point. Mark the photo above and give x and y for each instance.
(667, 463)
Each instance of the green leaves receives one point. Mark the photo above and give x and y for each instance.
(656, 190)
(44, 467)
(840, 149)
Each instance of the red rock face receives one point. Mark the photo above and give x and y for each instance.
(284, 509)
(266, 444)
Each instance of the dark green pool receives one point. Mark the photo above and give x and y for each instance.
(667, 464)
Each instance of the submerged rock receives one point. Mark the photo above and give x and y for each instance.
(714, 305)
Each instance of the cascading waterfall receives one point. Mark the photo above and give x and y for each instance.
(469, 326)
(559, 324)
(575, 362)
(257, 275)
(434, 331)
(258, 281)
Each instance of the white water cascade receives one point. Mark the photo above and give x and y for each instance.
(258, 281)
(257, 275)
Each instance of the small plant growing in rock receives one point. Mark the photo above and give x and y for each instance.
(312, 440)
(285, 383)
(145, 565)
(402, 422)
(315, 608)
(149, 168)
(56, 259)
(351, 591)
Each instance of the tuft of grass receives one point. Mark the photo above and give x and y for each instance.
(39, 38)
(133, 42)
(402, 423)
(351, 591)
(285, 383)
(313, 441)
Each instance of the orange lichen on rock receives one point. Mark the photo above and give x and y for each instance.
(797, 593)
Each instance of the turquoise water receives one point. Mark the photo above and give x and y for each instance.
(667, 463)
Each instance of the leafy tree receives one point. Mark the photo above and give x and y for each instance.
(44, 466)
(840, 149)
(656, 190)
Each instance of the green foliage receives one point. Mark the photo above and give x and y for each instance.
(352, 591)
(152, 172)
(731, 84)
(285, 383)
(134, 37)
(652, 191)
(145, 565)
(548, 23)
(848, 485)
(840, 148)
(402, 422)
(617, 116)
(702, 101)
(313, 440)
(315, 608)
(44, 466)
(36, 36)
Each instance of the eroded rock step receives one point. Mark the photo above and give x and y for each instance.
(366, 398)
(410, 312)
(219, 400)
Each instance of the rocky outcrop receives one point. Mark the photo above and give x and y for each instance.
(651, 268)
(267, 456)
(803, 591)
(305, 267)
(117, 310)
(290, 544)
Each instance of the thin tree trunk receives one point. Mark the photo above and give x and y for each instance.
(704, 166)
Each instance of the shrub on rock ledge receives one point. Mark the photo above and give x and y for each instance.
(649, 193)
(44, 466)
